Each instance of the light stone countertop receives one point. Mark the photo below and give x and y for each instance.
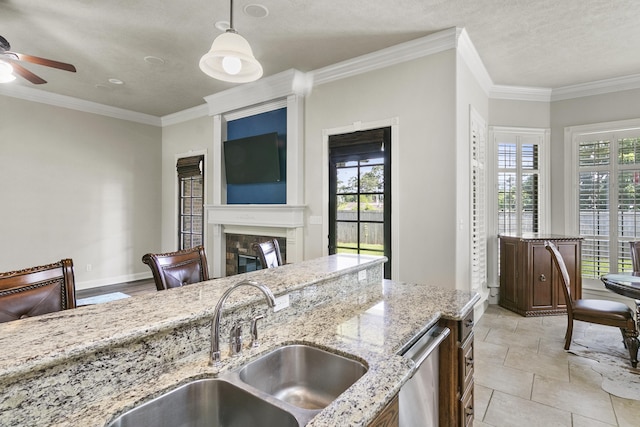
(369, 323)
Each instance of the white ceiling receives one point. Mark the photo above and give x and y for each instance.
(533, 43)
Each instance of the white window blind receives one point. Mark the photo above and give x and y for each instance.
(478, 203)
(519, 189)
(608, 175)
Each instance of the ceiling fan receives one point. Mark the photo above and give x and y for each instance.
(6, 54)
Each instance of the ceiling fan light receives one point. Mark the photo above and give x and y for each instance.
(231, 44)
(6, 72)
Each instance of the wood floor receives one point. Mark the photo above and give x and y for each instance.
(138, 287)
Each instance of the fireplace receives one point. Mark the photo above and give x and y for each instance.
(234, 228)
(240, 256)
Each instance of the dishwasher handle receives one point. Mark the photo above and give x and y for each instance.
(427, 344)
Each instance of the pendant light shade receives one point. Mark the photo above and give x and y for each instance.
(230, 58)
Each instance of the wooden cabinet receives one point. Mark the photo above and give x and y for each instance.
(389, 417)
(529, 282)
(456, 373)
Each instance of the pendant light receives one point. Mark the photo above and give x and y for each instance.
(231, 58)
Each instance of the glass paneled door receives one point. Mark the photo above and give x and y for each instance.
(360, 197)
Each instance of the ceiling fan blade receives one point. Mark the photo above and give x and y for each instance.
(46, 62)
(24, 73)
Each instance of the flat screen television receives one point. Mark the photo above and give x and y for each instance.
(252, 160)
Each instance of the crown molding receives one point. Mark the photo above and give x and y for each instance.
(296, 82)
(424, 46)
(37, 95)
(541, 94)
(281, 85)
(192, 113)
(597, 87)
(470, 56)
(520, 93)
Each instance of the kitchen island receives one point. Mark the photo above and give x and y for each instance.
(88, 365)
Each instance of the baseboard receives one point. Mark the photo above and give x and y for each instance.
(482, 304)
(89, 284)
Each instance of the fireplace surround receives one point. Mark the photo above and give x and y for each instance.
(254, 223)
(240, 255)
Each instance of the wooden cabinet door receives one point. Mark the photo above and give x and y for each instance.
(509, 273)
(543, 289)
(571, 254)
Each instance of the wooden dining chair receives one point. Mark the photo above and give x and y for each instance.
(602, 312)
(179, 268)
(269, 253)
(37, 290)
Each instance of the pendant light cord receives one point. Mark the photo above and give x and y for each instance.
(231, 16)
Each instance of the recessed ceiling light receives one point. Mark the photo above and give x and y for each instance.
(116, 81)
(256, 10)
(222, 25)
(154, 60)
(103, 87)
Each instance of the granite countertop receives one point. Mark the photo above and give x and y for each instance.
(69, 333)
(370, 324)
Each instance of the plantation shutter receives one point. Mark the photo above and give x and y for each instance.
(608, 199)
(478, 203)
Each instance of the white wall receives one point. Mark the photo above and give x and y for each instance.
(77, 185)
(420, 94)
(526, 114)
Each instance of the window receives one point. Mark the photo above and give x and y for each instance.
(190, 201)
(606, 206)
(519, 165)
(520, 189)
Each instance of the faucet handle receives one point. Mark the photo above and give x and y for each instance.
(236, 339)
(254, 330)
(215, 359)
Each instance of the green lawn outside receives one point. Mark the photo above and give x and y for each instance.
(367, 249)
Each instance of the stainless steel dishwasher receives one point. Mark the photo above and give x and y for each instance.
(419, 395)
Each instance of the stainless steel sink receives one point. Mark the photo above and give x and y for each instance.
(303, 376)
(208, 402)
(286, 388)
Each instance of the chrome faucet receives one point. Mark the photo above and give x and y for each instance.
(217, 314)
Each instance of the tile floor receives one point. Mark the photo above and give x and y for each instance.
(523, 376)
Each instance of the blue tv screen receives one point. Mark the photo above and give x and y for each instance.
(252, 160)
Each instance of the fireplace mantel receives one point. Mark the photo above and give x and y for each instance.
(265, 220)
(280, 216)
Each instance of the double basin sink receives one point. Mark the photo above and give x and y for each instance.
(286, 387)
